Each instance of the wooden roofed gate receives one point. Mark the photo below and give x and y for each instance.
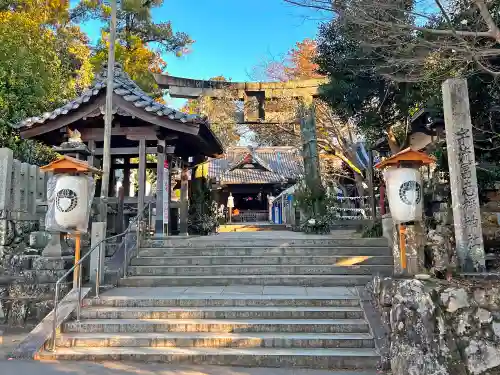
(141, 126)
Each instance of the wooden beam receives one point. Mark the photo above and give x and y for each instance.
(126, 151)
(163, 122)
(131, 132)
(133, 166)
(62, 120)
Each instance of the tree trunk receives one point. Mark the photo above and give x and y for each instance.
(359, 184)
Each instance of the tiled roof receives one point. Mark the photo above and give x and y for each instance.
(280, 164)
(122, 86)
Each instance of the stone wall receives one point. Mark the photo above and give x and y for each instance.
(27, 279)
(437, 327)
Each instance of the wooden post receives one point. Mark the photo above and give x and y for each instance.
(184, 209)
(91, 157)
(160, 155)
(166, 195)
(126, 177)
(108, 114)
(402, 246)
(141, 176)
(120, 214)
(77, 259)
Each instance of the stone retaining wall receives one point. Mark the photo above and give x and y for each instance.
(436, 327)
(30, 298)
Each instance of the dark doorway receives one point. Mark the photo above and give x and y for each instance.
(245, 201)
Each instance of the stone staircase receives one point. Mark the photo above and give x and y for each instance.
(272, 300)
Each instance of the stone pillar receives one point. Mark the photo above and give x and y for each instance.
(463, 180)
(6, 161)
(98, 233)
(396, 254)
(24, 187)
(32, 189)
(184, 206)
(415, 242)
(159, 188)
(53, 248)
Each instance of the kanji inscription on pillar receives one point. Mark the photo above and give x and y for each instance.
(463, 180)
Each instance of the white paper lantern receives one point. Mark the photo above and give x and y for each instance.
(404, 192)
(71, 201)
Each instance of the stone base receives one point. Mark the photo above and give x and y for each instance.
(53, 248)
(387, 228)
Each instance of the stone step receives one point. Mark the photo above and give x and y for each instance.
(266, 260)
(235, 300)
(258, 269)
(240, 312)
(258, 251)
(270, 280)
(338, 358)
(218, 340)
(217, 325)
(270, 240)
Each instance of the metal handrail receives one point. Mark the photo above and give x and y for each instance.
(98, 270)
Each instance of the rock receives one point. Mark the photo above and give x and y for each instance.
(412, 360)
(38, 240)
(464, 323)
(480, 297)
(482, 355)
(386, 291)
(435, 329)
(484, 316)
(454, 299)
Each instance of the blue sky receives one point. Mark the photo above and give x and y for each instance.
(231, 36)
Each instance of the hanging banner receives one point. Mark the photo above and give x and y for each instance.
(166, 195)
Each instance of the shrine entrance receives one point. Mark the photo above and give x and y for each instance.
(251, 175)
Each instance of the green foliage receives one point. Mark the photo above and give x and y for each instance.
(137, 59)
(372, 230)
(379, 82)
(356, 90)
(316, 225)
(222, 114)
(135, 20)
(40, 67)
(203, 214)
(307, 200)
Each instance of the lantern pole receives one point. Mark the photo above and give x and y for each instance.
(77, 259)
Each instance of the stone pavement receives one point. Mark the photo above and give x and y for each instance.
(124, 368)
